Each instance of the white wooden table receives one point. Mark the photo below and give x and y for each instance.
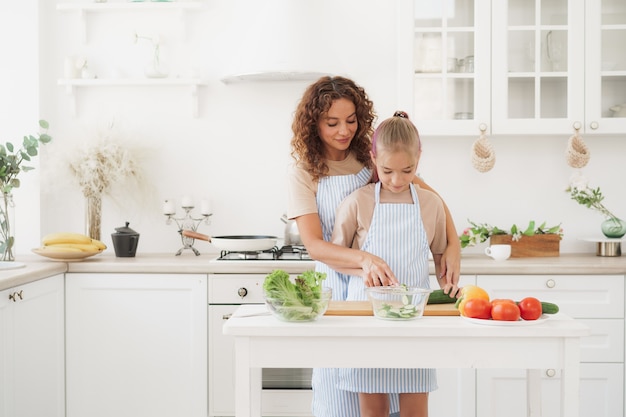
(430, 342)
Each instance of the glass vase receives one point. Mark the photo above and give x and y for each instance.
(7, 227)
(614, 228)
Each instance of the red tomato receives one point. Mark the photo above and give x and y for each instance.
(505, 312)
(530, 308)
(477, 308)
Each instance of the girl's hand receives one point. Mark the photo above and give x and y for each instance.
(376, 272)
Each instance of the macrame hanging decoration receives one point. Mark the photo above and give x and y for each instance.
(483, 154)
(577, 152)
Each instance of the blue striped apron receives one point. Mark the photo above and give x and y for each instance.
(328, 400)
(398, 236)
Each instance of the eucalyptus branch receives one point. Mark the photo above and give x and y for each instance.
(589, 197)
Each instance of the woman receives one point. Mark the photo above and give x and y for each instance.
(332, 139)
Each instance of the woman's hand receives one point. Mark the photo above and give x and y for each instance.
(450, 265)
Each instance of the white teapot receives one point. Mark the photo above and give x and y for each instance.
(619, 110)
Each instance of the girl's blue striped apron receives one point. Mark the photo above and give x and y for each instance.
(398, 236)
(328, 399)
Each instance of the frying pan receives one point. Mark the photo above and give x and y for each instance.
(235, 243)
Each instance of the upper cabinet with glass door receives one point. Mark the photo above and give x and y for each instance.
(449, 46)
(558, 65)
(538, 66)
(605, 66)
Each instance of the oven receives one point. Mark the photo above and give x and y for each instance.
(286, 391)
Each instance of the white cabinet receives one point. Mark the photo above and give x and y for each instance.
(32, 374)
(605, 66)
(557, 66)
(444, 65)
(538, 67)
(136, 345)
(597, 301)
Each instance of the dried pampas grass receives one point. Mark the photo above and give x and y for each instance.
(107, 165)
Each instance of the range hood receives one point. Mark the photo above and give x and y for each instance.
(280, 40)
(274, 75)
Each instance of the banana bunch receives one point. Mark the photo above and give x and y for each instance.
(71, 242)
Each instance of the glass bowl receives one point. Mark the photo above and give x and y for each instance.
(282, 309)
(398, 303)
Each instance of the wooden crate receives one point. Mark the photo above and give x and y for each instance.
(529, 246)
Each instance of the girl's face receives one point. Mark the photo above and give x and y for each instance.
(396, 169)
(337, 128)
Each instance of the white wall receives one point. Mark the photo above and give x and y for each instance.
(236, 151)
(19, 106)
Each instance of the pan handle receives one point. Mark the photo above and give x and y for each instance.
(195, 235)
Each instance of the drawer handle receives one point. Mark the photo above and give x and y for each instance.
(242, 292)
(550, 373)
(550, 283)
(227, 316)
(13, 297)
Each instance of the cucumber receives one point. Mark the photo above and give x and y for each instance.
(439, 297)
(549, 308)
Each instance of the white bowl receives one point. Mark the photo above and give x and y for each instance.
(398, 303)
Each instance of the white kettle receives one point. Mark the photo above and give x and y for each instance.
(619, 110)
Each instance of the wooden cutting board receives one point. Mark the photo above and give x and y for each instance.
(364, 308)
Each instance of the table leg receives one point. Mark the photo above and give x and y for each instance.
(256, 384)
(244, 406)
(533, 392)
(570, 378)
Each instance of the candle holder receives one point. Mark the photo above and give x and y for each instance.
(187, 222)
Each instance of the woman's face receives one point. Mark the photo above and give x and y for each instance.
(337, 128)
(396, 169)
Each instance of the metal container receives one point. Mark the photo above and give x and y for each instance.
(607, 248)
(292, 234)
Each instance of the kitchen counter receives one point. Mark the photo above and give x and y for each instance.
(34, 270)
(37, 267)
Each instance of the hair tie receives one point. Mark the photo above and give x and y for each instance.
(400, 113)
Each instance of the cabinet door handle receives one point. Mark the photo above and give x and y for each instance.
(13, 297)
(550, 373)
(594, 125)
(550, 283)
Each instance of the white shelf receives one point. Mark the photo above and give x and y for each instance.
(108, 82)
(194, 83)
(131, 5)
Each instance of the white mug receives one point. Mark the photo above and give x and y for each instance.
(499, 252)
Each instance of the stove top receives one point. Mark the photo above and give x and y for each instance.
(285, 253)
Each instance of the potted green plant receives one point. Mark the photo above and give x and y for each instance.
(529, 242)
(11, 165)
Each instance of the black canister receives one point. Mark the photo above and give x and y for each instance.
(125, 241)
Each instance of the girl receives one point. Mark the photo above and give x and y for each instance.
(401, 223)
(332, 127)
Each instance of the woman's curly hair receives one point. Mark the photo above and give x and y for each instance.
(307, 146)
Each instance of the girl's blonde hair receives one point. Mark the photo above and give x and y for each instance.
(397, 133)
